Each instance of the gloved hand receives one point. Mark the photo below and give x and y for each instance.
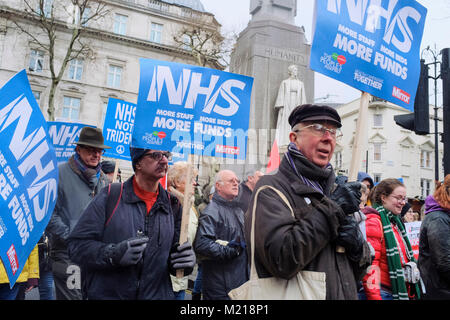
(129, 252)
(351, 238)
(183, 257)
(347, 196)
(237, 243)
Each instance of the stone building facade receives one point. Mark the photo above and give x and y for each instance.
(391, 151)
(131, 29)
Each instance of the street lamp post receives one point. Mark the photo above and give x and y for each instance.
(436, 130)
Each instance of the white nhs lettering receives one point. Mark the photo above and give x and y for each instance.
(192, 80)
(371, 11)
(19, 112)
(64, 136)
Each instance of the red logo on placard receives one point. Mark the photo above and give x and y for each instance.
(161, 135)
(341, 59)
(13, 261)
(400, 94)
(227, 149)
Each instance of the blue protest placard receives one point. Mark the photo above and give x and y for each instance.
(118, 128)
(28, 174)
(373, 46)
(63, 135)
(189, 109)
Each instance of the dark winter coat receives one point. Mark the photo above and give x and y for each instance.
(286, 245)
(225, 267)
(74, 194)
(88, 244)
(245, 194)
(434, 251)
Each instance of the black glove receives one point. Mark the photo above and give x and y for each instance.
(237, 243)
(129, 252)
(348, 196)
(183, 257)
(351, 238)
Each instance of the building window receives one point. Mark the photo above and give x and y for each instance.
(425, 187)
(338, 159)
(425, 159)
(37, 96)
(377, 120)
(376, 178)
(377, 151)
(120, 24)
(75, 69)
(85, 17)
(156, 32)
(47, 7)
(186, 42)
(36, 61)
(114, 76)
(71, 108)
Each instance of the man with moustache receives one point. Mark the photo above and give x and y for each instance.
(80, 179)
(220, 240)
(128, 252)
(320, 235)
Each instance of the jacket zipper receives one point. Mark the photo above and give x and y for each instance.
(141, 263)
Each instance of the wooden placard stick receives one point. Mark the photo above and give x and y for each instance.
(360, 137)
(186, 207)
(116, 170)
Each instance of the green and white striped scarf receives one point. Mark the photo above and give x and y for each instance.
(399, 287)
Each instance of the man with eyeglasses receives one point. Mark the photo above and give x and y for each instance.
(220, 240)
(320, 235)
(80, 179)
(127, 239)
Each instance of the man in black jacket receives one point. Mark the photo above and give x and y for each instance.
(246, 188)
(129, 252)
(220, 240)
(321, 236)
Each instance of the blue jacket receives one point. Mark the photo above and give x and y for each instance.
(88, 246)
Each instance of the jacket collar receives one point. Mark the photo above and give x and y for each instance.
(162, 202)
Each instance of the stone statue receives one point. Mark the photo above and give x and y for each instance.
(290, 94)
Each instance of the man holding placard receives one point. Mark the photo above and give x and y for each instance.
(128, 250)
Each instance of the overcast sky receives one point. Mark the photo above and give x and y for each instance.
(234, 16)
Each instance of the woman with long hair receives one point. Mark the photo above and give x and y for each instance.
(434, 243)
(385, 279)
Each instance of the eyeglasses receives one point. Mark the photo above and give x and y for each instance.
(93, 150)
(399, 198)
(237, 181)
(320, 130)
(158, 155)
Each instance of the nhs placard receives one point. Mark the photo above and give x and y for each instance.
(371, 45)
(192, 110)
(63, 135)
(28, 174)
(118, 127)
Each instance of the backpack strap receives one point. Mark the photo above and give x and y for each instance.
(112, 202)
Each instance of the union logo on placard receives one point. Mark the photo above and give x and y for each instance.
(333, 62)
(151, 139)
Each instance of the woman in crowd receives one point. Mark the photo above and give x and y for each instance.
(176, 181)
(385, 231)
(434, 250)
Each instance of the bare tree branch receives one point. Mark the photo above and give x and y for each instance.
(52, 26)
(206, 45)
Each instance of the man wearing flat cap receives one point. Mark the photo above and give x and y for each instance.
(80, 179)
(127, 251)
(319, 235)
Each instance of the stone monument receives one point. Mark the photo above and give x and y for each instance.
(264, 50)
(290, 95)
